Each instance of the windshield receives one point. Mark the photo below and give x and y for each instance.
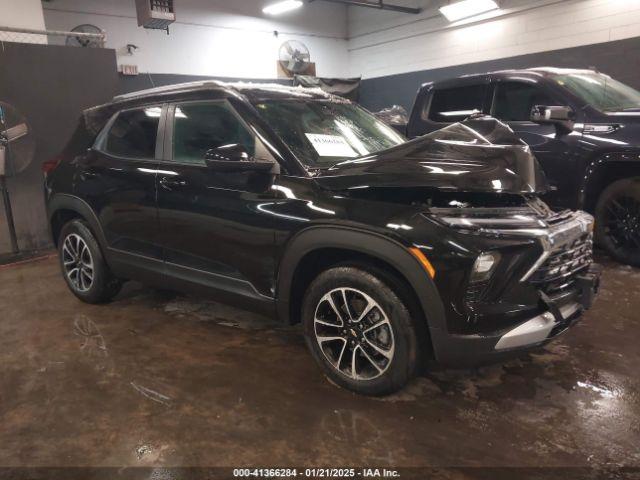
(601, 91)
(322, 133)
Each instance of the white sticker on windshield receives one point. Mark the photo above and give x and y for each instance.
(331, 145)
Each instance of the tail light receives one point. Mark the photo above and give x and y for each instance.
(50, 165)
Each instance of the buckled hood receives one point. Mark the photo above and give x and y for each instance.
(480, 154)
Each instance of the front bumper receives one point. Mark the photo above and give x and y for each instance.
(556, 316)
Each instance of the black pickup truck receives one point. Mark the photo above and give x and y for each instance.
(583, 127)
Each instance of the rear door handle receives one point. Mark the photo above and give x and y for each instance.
(169, 183)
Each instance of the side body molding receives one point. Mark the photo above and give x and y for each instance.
(373, 244)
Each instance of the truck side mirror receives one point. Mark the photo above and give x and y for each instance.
(560, 116)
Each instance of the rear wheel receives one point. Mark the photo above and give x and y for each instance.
(618, 220)
(359, 331)
(83, 265)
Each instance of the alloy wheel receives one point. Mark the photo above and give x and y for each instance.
(622, 222)
(354, 333)
(77, 262)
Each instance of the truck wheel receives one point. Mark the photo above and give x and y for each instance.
(83, 265)
(618, 220)
(359, 331)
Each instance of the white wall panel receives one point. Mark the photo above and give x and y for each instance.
(383, 44)
(21, 14)
(213, 37)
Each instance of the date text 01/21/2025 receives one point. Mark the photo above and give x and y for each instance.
(315, 473)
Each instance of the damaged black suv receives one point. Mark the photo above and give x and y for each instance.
(303, 206)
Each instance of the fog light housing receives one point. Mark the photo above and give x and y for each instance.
(484, 266)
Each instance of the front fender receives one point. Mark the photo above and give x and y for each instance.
(373, 244)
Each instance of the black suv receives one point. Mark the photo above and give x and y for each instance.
(583, 127)
(300, 205)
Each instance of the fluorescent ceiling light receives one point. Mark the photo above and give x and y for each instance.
(281, 7)
(467, 8)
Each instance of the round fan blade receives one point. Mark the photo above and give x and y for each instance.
(289, 48)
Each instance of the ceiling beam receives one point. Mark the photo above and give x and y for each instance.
(379, 4)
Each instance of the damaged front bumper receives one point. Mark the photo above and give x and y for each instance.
(547, 298)
(558, 314)
(557, 319)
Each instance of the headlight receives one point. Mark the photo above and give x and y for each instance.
(484, 266)
(505, 221)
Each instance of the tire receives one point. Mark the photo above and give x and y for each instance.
(78, 249)
(618, 220)
(386, 357)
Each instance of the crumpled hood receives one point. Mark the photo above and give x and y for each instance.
(478, 155)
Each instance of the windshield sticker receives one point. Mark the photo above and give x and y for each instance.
(331, 145)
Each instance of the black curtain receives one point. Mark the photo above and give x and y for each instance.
(344, 87)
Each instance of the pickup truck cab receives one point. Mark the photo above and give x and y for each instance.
(583, 127)
(303, 206)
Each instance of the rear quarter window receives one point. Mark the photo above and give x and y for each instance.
(455, 104)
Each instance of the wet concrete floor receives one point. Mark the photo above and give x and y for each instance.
(156, 380)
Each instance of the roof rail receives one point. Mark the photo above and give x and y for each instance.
(178, 87)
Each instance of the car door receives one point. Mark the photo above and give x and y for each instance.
(211, 228)
(117, 178)
(512, 103)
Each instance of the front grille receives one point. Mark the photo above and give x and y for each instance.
(474, 292)
(558, 217)
(559, 270)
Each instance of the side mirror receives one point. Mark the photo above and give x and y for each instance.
(235, 158)
(562, 117)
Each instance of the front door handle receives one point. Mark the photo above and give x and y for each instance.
(88, 174)
(169, 183)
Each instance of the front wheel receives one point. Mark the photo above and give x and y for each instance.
(359, 331)
(618, 220)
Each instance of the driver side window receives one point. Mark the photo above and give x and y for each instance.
(513, 101)
(201, 126)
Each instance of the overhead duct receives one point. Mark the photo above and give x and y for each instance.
(380, 5)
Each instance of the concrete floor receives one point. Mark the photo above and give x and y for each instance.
(150, 380)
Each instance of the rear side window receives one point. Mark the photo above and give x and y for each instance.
(455, 104)
(133, 134)
(514, 100)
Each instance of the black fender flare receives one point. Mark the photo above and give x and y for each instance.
(370, 243)
(64, 201)
(597, 167)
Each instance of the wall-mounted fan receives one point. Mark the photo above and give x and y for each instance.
(294, 56)
(17, 149)
(17, 139)
(81, 41)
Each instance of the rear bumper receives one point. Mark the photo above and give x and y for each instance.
(557, 316)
